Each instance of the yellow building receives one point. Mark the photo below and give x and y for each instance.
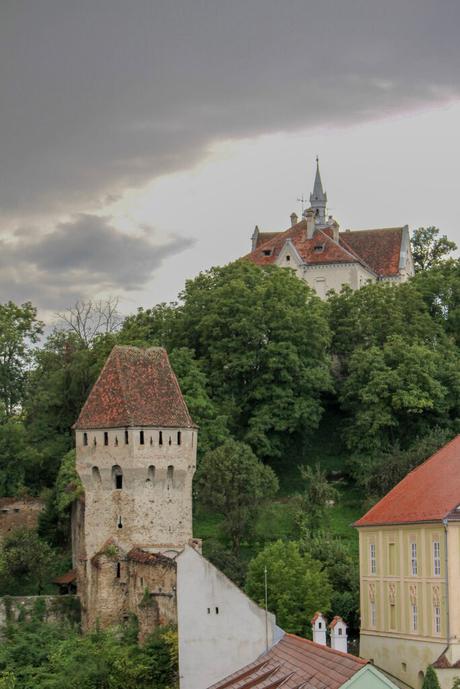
(410, 573)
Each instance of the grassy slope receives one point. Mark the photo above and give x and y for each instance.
(277, 519)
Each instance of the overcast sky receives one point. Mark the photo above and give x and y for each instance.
(142, 140)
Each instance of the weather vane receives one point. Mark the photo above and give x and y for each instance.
(302, 201)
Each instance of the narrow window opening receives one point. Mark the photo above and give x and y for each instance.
(340, 631)
(179, 437)
(436, 558)
(126, 437)
(106, 438)
(117, 476)
(169, 440)
(118, 570)
(151, 474)
(120, 523)
(96, 475)
(94, 441)
(288, 258)
(170, 473)
(160, 438)
(151, 440)
(373, 559)
(116, 441)
(141, 437)
(142, 582)
(209, 611)
(217, 610)
(85, 438)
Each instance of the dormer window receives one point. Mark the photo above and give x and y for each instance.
(318, 248)
(267, 252)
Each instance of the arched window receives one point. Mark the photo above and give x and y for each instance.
(120, 523)
(96, 475)
(141, 437)
(106, 438)
(85, 439)
(151, 474)
(117, 477)
(170, 473)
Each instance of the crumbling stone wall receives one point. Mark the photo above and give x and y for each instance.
(49, 608)
(16, 513)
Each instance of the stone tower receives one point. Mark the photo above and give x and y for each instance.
(136, 456)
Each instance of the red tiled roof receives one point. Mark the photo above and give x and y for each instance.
(295, 662)
(66, 578)
(263, 237)
(380, 249)
(377, 250)
(136, 387)
(428, 493)
(145, 558)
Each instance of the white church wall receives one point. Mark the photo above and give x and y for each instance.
(220, 628)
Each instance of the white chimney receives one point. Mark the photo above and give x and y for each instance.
(335, 230)
(294, 219)
(311, 225)
(338, 631)
(319, 626)
(255, 237)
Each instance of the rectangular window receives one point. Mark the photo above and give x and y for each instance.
(392, 558)
(372, 559)
(437, 619)
(126, 437)
(179, 437)
(414, 620)
(413, 559)
(436, 558)
(141, 437)
(106, 438)
(373, 614)
(392, 616)
(160, 438)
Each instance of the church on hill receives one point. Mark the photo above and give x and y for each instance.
(327, 258)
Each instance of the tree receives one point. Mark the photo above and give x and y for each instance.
(232, 481)
(428, 249)
(316, 498)
(18, 459)
(440, 290)
(431, 679)
(26, 563)
(89, 319)
(297, 586)
(19, 329)
(398, 392)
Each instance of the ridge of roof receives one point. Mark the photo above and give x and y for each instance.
(428, 493)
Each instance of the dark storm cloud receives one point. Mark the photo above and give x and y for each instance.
(100, 95)
(78, 259)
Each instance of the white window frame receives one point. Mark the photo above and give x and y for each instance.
(413, 559)
(437, 619)
(372, 558)
(414, 617)
(436, 558)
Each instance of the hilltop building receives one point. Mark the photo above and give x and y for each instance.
(410, 573)
(326, 258)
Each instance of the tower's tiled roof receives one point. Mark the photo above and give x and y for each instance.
(430, 492)
(136, 387)
(293, 663)
(378, 251)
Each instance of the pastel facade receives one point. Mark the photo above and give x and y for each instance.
(410, 573)
(327, 259)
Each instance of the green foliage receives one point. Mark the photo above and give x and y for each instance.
(297, 586)
(315, 502)
(204, 412)
(26, 564)
(18, 458)
(225, 560)
(398, 392)
(37, 655)
(19, 329)
(456, 684)
(431, 679)
(68, 484)
(429, 249)
(440, 290)
(231, 480)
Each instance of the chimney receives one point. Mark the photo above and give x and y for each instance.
(294, 219)
(310, 217)
(338, 631)
(319, 626)
(334, 225)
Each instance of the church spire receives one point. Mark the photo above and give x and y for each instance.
(318, 197)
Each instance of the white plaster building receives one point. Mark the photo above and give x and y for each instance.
(325, 258)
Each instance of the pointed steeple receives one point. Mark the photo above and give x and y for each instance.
(318, 197)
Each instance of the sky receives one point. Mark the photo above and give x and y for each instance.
(142, 140)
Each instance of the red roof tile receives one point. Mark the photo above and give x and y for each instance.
(145, 558)
(380, 249)
(377, 250)
(136, 387)
(428, 493)
(66, 578)
(294, 662)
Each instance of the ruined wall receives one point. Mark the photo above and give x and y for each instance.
(49, 608)
(16, 513)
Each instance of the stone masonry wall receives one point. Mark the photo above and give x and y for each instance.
(50, 608)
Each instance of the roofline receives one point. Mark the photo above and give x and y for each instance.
(356, 524)
(126, 426)
(358, 659)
